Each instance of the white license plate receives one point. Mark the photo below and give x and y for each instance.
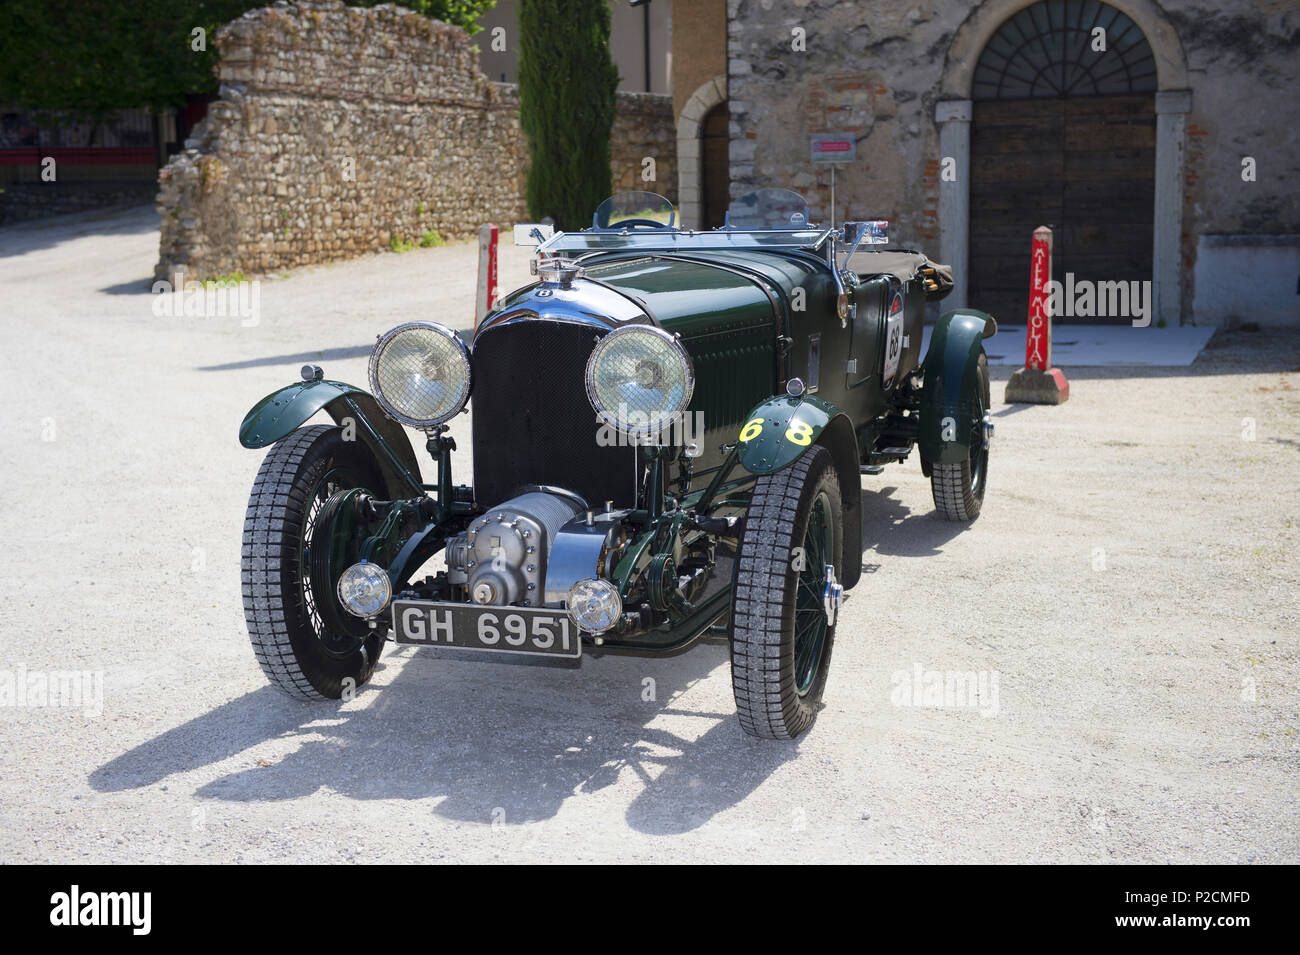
(469, 627)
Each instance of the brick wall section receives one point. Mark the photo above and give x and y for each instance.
(1193, 166)
(339, 128)
(699, 47)
(927, 225)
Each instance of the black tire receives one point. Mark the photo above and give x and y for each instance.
(958, 489)
(777, 689)
(296, 652)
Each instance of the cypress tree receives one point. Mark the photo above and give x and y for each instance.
(567, 82)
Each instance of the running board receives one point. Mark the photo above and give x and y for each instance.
(888, 455)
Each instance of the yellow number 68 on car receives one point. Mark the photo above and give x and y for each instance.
(798, 433)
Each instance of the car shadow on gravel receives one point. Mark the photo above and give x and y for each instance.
(141, 286)
(890, 527)
(493, 744)
(298, 358)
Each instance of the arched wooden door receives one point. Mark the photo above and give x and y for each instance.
(715, 172)
(1063, 135)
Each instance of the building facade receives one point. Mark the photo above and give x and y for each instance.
(1158, 139)
(638, 43)
(699, 88)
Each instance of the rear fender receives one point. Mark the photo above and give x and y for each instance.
(283, 411)
(951, 382)
(777, 431)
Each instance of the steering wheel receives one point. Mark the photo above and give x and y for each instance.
(638, 223)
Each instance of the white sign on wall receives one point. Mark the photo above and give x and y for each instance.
(833, 147)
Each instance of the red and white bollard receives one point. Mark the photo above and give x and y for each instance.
(487, 272)
(1038, 382)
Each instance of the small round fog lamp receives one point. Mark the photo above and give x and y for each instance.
(364, 589)
(594, 605)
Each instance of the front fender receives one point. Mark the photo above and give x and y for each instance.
(287, 409)
(283, 411)
(950, 385)
(777, 431)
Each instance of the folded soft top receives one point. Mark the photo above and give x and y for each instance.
(904, 265)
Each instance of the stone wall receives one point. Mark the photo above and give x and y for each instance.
(24, 201)
(644, 129)
(879, 70)
(870, 70)
(1243, 60)
(341, 131)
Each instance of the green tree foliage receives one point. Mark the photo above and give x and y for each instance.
(462, 13)
(567, 82)
(86, 58)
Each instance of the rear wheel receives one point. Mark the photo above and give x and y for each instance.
(306, 644)
(958, 488)
(786, 597)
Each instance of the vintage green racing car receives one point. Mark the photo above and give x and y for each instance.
(669, 431)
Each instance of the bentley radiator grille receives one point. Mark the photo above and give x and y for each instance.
(532, 422)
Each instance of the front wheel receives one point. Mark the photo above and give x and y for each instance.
(786, 596)
(958, 488)
(306, 644)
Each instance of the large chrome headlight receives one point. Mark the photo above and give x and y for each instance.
(639, 379)
(420, 373)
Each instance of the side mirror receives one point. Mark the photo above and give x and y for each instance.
(533, 233)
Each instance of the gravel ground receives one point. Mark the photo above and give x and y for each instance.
(1131, 587)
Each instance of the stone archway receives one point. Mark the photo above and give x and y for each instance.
(690, 151)
(1064, 136)
(953, 113)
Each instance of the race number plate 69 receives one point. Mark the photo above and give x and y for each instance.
(468, 627)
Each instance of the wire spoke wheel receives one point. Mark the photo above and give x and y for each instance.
(306, 644)
(783, 611)
(811, 623)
